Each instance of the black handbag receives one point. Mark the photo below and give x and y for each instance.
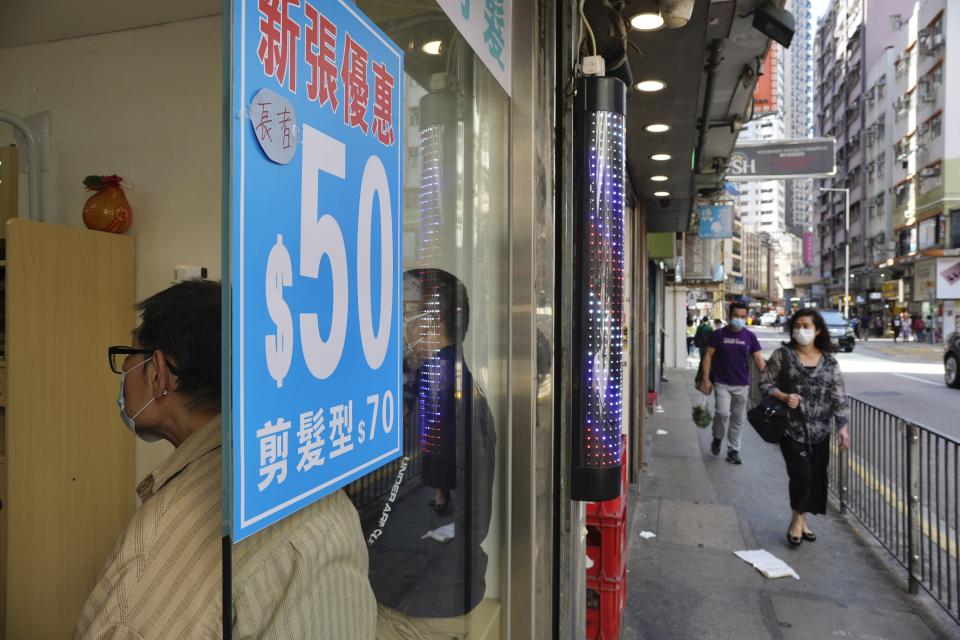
(771, 417)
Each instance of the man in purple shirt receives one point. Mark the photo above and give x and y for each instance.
(726, 368)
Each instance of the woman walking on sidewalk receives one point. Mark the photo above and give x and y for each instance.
(804, 375)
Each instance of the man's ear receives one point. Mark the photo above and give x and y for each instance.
(164, 380)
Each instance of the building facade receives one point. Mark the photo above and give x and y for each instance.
(882, 70)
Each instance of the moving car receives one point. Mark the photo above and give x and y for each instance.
(951, 360)
(768, 319)
(840, 330)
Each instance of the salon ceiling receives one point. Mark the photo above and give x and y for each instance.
(679, 57)
(25, 22)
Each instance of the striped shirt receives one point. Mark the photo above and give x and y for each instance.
(303, 577)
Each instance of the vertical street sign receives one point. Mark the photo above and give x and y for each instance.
(315, 266)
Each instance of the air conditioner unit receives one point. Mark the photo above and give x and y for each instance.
(936, 40)
(930, 172)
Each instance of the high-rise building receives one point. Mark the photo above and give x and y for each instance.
(847, 45)
(926, 154)
(878, 170)
(799, 111)
(882, 69)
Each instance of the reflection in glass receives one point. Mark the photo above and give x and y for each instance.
(434, 519)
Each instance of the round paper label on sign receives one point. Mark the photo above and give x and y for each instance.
(274, 123)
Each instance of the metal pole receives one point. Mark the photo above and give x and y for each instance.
(846, 256)
(914, 566)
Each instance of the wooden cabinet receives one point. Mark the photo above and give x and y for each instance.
(67, 490)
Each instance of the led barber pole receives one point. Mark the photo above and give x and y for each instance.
(598, 287)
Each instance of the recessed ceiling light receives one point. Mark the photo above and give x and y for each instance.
(647, 21)
(661, 194)
(657, 128)
(650, 86)
(661, 157)
(432, 47)
(659, 178)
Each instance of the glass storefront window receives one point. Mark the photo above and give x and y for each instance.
(435, 519)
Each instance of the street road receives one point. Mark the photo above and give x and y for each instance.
(904, 379)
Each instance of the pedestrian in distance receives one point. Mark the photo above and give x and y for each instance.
(691, 334)
(896, 327)
(866, 327)
(906, 327)
(805, 376)
(702, 336)
(919, 328)
(726, 368)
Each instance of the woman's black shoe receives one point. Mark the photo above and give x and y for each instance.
(794, 541)
(809, 536)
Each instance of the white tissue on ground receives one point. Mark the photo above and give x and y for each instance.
(768, 564)
(646, 535)
(661, 432)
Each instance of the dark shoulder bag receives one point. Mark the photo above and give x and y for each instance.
(771, 416)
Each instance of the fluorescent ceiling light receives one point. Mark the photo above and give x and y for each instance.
(657, 128)
(432, 47)
(659, 178)
(647, 21)
(661, 157)
(661, 194)
(650, 86)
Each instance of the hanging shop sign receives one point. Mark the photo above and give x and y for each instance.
(716, 221)
(486, 25)
(948, 278)
(781, 159)
(314, 255)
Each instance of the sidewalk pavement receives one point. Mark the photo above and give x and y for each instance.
(686, 583)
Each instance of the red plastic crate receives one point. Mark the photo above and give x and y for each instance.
(617, 507)
(607, 547)
(605, 603)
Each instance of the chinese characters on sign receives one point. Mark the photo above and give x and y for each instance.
(278, 52)
(315, 263)
(487, 27)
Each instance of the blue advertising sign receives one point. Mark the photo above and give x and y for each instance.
(716, 221)
(315, 265)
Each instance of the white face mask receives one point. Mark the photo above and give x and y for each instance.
(406, 321)
(129, 420)
(804, 336)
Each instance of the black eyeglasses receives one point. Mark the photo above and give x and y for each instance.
(118, 354)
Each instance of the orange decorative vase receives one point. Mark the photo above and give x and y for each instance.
(107, 209)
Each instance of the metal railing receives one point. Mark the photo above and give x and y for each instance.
(901, 480)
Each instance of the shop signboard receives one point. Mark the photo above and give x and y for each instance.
(766, 92)
(948, 278)
(486, 25)
(807, 248)
(924, 281)
(716, 221)
(893, 290)
(781, 159)
(314, 266)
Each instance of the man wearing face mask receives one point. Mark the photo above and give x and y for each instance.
(726, 368)
(163, 578)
